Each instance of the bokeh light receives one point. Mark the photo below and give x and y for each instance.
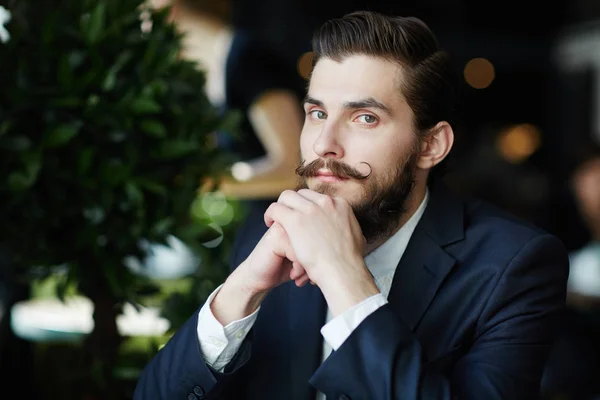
(304, 65)
(519, 142)
(479, 73)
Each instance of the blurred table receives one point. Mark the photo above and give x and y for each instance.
(51, 320)
(48, 319)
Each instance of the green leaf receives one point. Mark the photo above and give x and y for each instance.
(144, 105)
(117, 136)
(163, 226)
(93, 100)
(154, 128)
(84, 80)
(110, 81)
(65, 75)
(84, 160)
(147, 289)
(65, 284)
(76, 59)
(94, 215)
(151, 48)
(33, 164)
(175, 149)
(158, 87)
(198, 232)
(66, 102)
(5, 126)
(18, 181)
(114, 172)
(231, 122)
(134, 194)
(122, 59)
(48, 29)
(17, 143)
(62, 135)
(21, 180)
(95, 24)
(151, 186)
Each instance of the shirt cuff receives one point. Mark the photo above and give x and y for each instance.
(219, 343)
(336, 331)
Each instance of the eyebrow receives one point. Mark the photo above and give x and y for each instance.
(369, 102)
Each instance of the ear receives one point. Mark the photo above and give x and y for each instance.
(436, 145)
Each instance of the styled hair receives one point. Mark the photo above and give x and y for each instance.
(430, 84)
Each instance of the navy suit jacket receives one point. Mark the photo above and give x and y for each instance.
(472, 312)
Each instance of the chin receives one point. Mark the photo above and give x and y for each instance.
(352, 195)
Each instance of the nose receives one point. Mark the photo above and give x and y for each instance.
(327, 144)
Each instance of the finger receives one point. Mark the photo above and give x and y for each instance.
(296, 271)
(279, 213)
(315, 197)
(295, 201)
(268, 221)
(301, 281)
(284, 248)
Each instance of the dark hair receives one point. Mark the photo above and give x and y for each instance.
(430, 85)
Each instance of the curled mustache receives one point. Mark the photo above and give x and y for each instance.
(339, 169)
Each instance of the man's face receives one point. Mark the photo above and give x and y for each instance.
(358, 141)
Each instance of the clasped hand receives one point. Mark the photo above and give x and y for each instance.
(325, 241)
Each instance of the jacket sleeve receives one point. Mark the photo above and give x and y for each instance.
(383, 360)
(178, 370)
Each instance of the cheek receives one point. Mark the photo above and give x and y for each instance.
(382, 161)
(306, 148)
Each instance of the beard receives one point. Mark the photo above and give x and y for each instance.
(383, 200)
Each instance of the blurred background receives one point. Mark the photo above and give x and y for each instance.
(136, 136)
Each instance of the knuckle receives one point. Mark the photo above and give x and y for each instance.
(326, 201)
(312, 208)
(270, 208)
(286, 193)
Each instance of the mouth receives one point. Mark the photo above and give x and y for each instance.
(328, 176)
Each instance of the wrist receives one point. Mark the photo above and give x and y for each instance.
(236, 300)
(348, 290)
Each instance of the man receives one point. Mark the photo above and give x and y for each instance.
(413, 292)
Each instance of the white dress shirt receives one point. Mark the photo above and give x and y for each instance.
(219, 344)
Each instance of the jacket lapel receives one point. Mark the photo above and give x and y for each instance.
(307, 313)
(425, 263)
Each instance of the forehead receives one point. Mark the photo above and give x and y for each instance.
(357, 76)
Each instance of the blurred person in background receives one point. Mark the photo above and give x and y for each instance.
(245, 73)
(372, 280)
(574, 364)
(584, 277)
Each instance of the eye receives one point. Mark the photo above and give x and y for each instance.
(318, 114)
(366, 119)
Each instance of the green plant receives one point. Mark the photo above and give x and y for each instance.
(105, 136)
